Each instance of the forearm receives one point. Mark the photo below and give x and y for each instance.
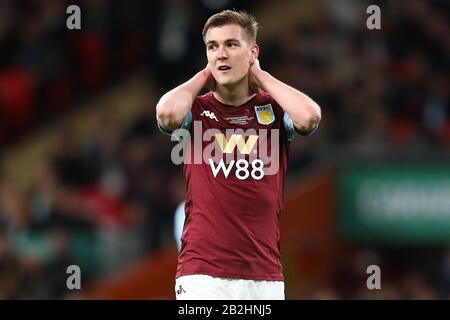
(305, 113)
(175, 104)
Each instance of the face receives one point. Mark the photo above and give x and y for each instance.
(229, 53)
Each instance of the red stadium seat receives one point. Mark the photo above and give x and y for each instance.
(91, 52)
(17, 93)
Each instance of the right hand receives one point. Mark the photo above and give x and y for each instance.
(210, 82)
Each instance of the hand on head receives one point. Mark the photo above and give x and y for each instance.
(211, 82)
(252, 79)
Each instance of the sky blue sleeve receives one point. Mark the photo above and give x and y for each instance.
(186, 124)
(292, 131)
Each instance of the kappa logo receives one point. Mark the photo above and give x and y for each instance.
(180, 290)
(265, 114)
(209, 114)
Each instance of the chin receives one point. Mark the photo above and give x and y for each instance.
(226, 82)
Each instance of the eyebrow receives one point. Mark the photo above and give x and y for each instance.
(227, 40)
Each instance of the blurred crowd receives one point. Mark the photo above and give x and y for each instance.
(382, 92)
(47, 69)
(100, 204)
(104, 203)
(401, 275)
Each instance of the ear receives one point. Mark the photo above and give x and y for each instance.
(254, 53)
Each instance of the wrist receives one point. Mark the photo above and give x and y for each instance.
(261, 77)
(204, 74)
(200, 79)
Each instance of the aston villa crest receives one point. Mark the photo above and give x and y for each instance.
(265, 114)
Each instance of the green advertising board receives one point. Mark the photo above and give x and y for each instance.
(394, 203)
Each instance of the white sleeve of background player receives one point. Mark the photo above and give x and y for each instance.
(178, 224)
(292, 131)
(186, 124)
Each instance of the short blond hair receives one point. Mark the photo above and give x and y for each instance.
(245, 20)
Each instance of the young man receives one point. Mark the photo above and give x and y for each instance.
(230, 241)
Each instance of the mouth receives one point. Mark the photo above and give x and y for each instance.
(224, 68)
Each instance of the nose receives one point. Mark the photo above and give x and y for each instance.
(222, 53)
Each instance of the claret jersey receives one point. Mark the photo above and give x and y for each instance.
(234, 166)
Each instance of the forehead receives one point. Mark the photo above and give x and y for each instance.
(222, 33)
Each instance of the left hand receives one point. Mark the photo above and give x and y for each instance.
(211, 83)
(253, 82)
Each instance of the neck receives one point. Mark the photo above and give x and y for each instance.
(234, 95)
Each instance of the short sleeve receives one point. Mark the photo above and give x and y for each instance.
(292, 131)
